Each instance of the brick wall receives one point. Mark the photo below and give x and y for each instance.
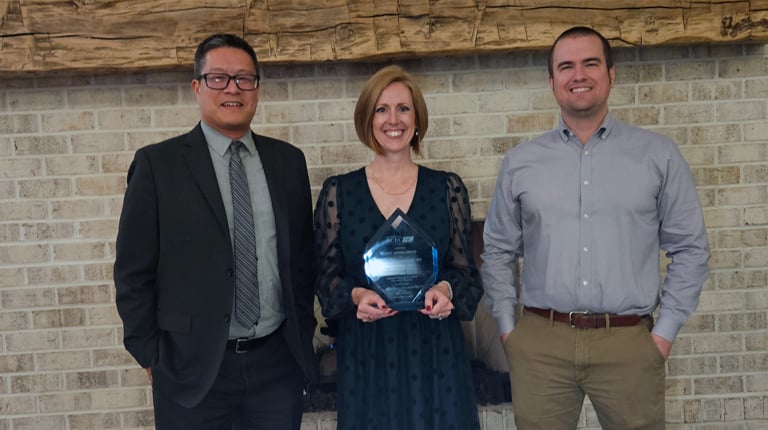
(66, 142)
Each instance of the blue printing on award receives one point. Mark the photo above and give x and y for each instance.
(398, 266)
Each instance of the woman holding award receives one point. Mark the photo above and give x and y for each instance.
(397, 368)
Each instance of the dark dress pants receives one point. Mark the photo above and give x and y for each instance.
(260, 389)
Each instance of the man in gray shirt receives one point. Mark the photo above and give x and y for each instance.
(587, 206)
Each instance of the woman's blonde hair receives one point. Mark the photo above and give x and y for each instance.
(366, 106)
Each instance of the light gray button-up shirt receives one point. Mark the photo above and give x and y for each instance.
(589, 220)
(272, 311)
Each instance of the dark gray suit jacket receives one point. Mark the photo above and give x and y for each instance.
(174, 265)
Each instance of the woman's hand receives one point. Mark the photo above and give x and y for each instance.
(437, 301)
(370, 306)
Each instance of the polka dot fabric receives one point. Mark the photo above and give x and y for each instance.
(406, 371)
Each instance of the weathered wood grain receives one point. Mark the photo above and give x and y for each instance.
(50, 35)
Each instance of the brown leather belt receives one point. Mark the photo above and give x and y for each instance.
(588, 320)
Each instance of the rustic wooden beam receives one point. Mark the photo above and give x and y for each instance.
(51, 35)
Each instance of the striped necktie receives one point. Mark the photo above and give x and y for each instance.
(246, 277)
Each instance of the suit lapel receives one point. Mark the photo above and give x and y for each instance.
(198, 158)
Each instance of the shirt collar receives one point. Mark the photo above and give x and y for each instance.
(220, 143)
(602, 132)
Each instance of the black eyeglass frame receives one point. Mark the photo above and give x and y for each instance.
(256, 80)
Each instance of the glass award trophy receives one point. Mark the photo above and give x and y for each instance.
(400, 262)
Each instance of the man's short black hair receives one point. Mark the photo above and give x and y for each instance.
(221, 41)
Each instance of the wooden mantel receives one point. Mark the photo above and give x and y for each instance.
(52, 35)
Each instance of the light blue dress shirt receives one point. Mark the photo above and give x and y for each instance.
(271, 304)
(589, 220)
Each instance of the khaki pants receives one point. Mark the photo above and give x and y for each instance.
(552, 366)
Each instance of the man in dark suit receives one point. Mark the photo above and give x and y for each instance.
(214, 266)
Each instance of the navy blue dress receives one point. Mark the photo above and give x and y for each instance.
(407, 371)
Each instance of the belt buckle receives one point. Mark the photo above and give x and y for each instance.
(237, 346)
(571, 314)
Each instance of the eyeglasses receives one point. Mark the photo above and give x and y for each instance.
(220, 81)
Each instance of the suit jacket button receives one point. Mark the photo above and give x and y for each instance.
(230, 272)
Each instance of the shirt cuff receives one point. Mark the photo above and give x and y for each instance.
(667, 328)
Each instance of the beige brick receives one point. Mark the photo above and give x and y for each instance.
(501, 101)
(94, 421)
(478, 125)
(48, 275)
(125, 119)
(139, 419)
(47, 231)
(742, 238)
(271, 91)
(110, 357)
(123, 398)
(753, 408)
(88, 338)
(742, 68)
(714, 90)
(345, 154)
(12, 320)
(64, 402)
(756, 341)
(91, 380)
(103, 315)
(98, 143)
(98, 272)
(98, 229)
(338, 110)
(542, 100)
(77, 209)
(67, 121)
(79, 251)
(27, 298)
(733, 409)
(10, 233)
(286, 113)
(756, 257)
(32, 341)
(11, 277)
(640, 116)
(37, 383)
(81, 98)
(699, 323)
(62, 360)
(83, 294)
(41, 145)
(718, 385)
(7, 190)
(756, 215)
(35, 100)
(45, 188)
(461, 148)
(531, 123)
(40, 422)
(730, 364)
(622, 95)
(72, 165)
(727, 175)
(140, 139)
(699, 155)
(717, 343)
(740, 111)
(277, 132)
(116, 163)
(742, 195)
(151, 95)
(100, 185)
(526, 79)
(743, 153)
(754, 174)
(685, 71)
(725, 259)
(756, 88)
(16, 363)
(741, 279)
(24, 254)
(438, 127)
(20, 167)
(685, 114)
(720, 301)
(27, 210)
(756, 383)
(61, 317)
(313, 89)
(745, 321)
(19, 123)
(662, 93)
(756, 131)
(133, 377)
(318, 133)
(756, 362)
(708, 134)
